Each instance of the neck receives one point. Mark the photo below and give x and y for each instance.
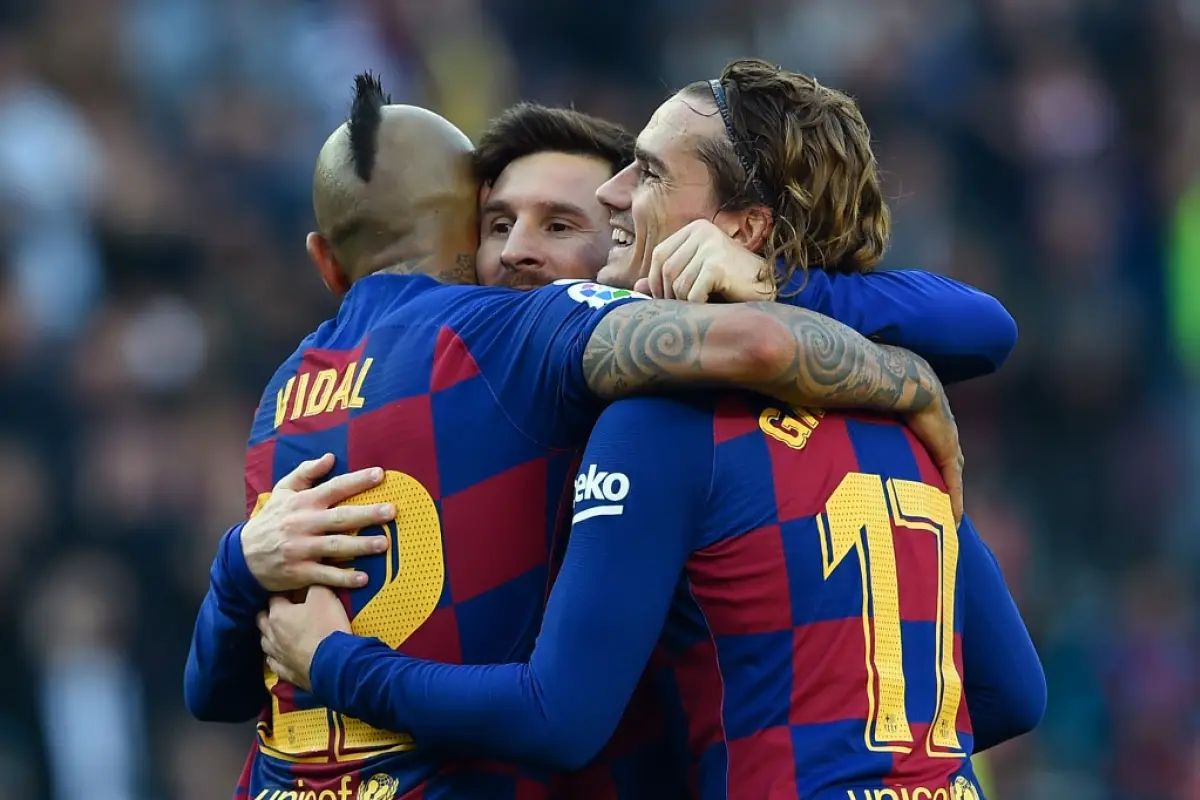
(457, 269)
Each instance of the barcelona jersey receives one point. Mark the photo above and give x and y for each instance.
(797, 584)
(474, 402)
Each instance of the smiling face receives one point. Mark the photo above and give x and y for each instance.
(666, 187)
(541, 222)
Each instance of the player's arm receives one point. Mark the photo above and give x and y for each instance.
(793, 354)
(1002, 674)
(283, 547)
(630, 538)
(962, 332)
(223, 680)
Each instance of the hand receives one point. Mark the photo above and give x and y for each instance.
(291, 632)
(286, 542)
(935, 427)
(699, 261)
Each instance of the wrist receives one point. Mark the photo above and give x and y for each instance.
(329, 661)
(241, 578)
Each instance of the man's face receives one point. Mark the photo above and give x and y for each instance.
(665, 188)
(541, 222)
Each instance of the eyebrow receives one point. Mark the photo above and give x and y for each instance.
(556, 208)
(646, 157)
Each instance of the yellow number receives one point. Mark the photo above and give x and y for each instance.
(412, 585)
(792, 427)
(859, 519)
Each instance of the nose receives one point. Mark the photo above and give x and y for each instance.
(616, 193)
(520, 248)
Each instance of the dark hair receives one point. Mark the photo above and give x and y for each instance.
(528, 128)
(366, 115)
(809, 150)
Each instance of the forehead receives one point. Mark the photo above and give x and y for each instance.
(544, 178)
(678, 126)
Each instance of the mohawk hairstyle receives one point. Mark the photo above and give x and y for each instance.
(366, 114)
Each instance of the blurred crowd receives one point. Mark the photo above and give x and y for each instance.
(155, 165)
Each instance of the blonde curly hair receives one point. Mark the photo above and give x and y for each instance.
(804, 151)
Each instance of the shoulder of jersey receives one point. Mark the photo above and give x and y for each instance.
(597, 295)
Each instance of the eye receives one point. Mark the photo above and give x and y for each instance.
(645, 174)
(500, 227)
(558, 226)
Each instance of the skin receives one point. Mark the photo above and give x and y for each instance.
(668, 186)
(792, 354)
(541, 222)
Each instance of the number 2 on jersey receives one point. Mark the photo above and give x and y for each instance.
(859, 519)
(414, 574)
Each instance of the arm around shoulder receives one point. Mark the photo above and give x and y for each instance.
(793, 354)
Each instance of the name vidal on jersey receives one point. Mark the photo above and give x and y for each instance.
(328, 390)
(609, 488)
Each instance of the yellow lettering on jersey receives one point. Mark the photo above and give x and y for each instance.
(792, 427)
(301, 393)
(341, 398)
(311, 395)
(281, 399)
(356, 398)
(322, 390)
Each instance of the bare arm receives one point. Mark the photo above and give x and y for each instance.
(795, 355)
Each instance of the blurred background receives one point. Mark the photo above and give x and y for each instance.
(155, 164)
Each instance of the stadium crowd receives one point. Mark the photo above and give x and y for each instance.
(155, 167)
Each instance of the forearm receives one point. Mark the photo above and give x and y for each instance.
(1003, 678)
(496, 711)
(223, 679)
(819, 361)
(961, 331)
(793, 354)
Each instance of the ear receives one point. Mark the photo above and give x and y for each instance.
(750, 227)
(321, 253)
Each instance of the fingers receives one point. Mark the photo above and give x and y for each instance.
(660, 285)
(304, 475)
(341, 488)
(344, 518)
(655, 277)
(342, 547)
(642, 285)
(678, 263)
(336, 577)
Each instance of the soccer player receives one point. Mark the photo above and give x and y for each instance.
(467, 397)
(540, 221)
(821, 609)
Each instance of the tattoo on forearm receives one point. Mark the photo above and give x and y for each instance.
(655, 343)
(834, 365)
(660, 345)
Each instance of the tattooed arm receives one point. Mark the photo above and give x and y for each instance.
(795, 355)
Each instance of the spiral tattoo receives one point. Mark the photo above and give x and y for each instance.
(649, 344)
(814, 360)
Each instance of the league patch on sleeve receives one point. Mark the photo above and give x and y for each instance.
(597, 295)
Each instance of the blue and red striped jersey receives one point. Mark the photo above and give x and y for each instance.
(473, 400)
(795, 581)
(814, 642)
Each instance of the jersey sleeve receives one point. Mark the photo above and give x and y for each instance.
(962, 332)
(223, 679)
(1003, 678)
(640, 497)
(529, 348)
